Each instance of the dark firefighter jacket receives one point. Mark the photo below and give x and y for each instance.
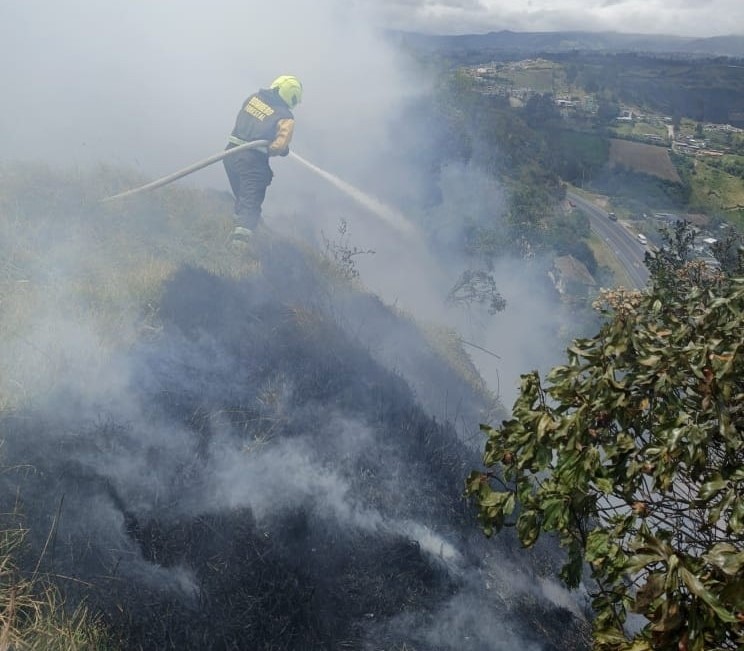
(265, 116)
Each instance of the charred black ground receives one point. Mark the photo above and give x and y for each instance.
(269, 480)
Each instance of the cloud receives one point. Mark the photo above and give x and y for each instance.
(681, 17)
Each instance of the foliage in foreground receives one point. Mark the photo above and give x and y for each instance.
(633, 454)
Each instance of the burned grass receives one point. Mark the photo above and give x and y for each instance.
(343, 529)
(265, 467)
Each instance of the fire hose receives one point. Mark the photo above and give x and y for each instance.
(158, 183)
(386, 213)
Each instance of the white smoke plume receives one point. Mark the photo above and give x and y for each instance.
(153, 87)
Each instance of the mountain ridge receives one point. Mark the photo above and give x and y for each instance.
(565, 41)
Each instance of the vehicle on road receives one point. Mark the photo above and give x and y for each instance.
(612, 216)
(642, 239)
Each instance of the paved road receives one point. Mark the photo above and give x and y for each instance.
(621, 242)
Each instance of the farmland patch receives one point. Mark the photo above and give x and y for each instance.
(646, 159)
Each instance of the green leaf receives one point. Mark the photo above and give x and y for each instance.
(604, 485)
(639, 562)
(711, 488)
(491, 499)
(695, 585)
(528, 528)
(509, 504)
(726, 557)
(597, 544)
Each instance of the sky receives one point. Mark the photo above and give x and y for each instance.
(677, 17)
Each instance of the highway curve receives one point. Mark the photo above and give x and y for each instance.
(623, 244)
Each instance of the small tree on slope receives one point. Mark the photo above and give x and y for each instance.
(633, 454)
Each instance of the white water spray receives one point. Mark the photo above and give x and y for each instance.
(392, 217)
(376, 207)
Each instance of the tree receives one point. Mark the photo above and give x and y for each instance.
(477, 287)
(633, 454)
(540, 111)
(729, 251)
(666, 262)
(607, 111)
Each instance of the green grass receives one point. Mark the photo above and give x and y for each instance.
(606, 258)
(716, 191)
(585, 149)
(640, 130)
(544, 77)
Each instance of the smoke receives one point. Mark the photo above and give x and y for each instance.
(413, 269)
(262, 456)
(257, 433)
(156, 86)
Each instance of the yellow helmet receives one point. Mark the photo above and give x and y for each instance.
(290, 89)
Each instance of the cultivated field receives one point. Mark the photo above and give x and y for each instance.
(716, 191)
(647, 159)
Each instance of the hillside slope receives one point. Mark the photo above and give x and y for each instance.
(220, 450)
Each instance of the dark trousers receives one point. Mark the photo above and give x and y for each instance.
(249, 175)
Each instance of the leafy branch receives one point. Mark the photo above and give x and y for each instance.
(632, 454)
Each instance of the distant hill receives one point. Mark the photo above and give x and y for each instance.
(536, 42)
(731, 46)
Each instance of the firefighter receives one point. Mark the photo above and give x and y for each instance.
(265, 115)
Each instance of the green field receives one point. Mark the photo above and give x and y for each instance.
(640, 130)
(543, 77)
(716, 191)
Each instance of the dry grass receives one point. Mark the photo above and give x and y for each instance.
(33, 617)
(81, 278)
(450, 346)
(66, 258)
(646, 159)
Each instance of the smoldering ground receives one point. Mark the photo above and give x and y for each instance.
(260, 481)
(272, 463)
